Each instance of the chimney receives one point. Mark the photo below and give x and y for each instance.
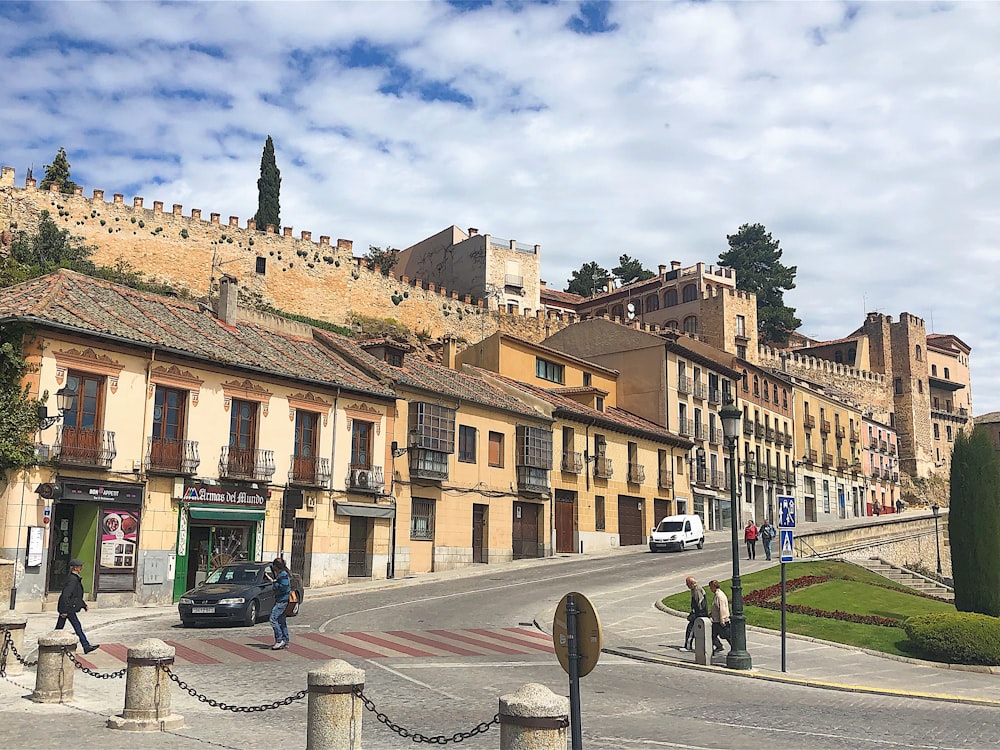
(448, 351)
(473, 231)
(663, 269)
(542, 283)
(228, 294)
(674, 265)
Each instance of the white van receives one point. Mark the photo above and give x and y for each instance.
(677, 532)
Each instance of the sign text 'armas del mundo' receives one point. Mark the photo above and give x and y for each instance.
(222, 494)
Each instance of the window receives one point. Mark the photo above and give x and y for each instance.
(838, 357)
(826, 496)
(784, 399)
(305, 435)
(690, 293)
(690, 324)
(920, 386)
(261, 265)
(588, 379)
(767, 392)
(934, 371)
(422, 519)
(776, 394)
(741, 325)
(243, 425)
(467, 444)
(168, 414)
(948, 432)
(496, 449)
(599, 403)
(534, 447)
(756, 385)
(741, 351)
(87, 409)
(919, 353)
(599, 512)
(947, 374)
(670, 299)
(672, 324)
(897, 386)
(548, 370)
(652, 303)
(937, 404)
(435, 426)
(394, 358)
(937, 431)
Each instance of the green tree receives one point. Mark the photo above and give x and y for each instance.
(756, 258)
(57, 173)
(974, 523)
(589, 280)
(19, 409)
(48, 249)
(629, 270)
(268, 190)
(382, 260)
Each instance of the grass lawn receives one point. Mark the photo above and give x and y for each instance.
(847, 591)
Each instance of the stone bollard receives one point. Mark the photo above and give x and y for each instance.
(702, 640)
(533, 718)
(12, 625)
(54, 674)
(334, 718)
(147, 690)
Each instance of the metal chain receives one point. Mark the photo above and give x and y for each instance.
(227, 707)
(9, 647)
(99, 675)
(440, 739)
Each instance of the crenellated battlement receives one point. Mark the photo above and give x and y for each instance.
(784, 360)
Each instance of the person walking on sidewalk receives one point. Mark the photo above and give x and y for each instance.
(282, 590)
(720, 616)
(699, 608)
(71, 602)
(750, 537)
(767, 533)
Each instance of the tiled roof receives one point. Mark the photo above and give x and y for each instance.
(988, 418)
(420, 374)
(94, 307)
(613, 418)
(563, 298)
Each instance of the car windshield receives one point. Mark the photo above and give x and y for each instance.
(233, 574)
(670, 526)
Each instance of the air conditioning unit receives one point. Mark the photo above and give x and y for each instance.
(361, 478)
(311, 502)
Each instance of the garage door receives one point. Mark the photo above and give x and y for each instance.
(661, 509)
(629, 520)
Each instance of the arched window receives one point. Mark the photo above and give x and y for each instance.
(838, 357)
(756, 385)
(617, 312)
(670, 298)
(690, 324)
(775, 394)
(767, 391)
(672, 324)
(690, 293)
(852, 355)
(746, 383)
(920, 353)
(652, 303)
(784, 398)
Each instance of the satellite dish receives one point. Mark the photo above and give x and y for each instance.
(631, 310)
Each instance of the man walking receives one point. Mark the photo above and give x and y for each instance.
(767, 533)
(699, 608)
(720, 616)
(71, 602)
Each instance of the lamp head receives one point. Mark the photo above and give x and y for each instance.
(935, 509)
(731, 417)
(66, 399)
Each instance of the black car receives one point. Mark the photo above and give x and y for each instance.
(241, 593)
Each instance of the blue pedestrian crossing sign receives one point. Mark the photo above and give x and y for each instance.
(787, 551)
(786, 512)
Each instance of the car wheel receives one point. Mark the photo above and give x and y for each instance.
(701, 543)
(250, 617)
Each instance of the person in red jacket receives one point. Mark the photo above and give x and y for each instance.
(750, 537)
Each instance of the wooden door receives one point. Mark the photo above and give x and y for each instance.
(524, 536)
(565, 521)
(359, 550)
(630, 520)
(479, 533)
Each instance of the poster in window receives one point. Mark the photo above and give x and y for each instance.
(35, 538)
(119, 536)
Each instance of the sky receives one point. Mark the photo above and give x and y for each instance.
(864, 136)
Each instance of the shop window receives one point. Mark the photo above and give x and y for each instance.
(467, 444)
(422, 519)
(496, 449)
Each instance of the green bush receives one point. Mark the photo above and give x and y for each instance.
(956, 638)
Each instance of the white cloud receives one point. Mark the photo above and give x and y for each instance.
(866, 141)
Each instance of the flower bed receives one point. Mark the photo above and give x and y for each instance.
(765, 599)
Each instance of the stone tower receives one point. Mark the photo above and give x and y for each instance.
(911, 394)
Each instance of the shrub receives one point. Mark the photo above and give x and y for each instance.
(956, 638)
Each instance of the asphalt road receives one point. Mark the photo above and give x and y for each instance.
(626, 703)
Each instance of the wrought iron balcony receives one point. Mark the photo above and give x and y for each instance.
(166, 456)
(769, 434)
(365, 479)
(603, 468)
(855, 436)
(715, 395)
(700, 431)
(809, 421)
(532, 479)
(685, 427)
(513, 280)
(715, 436)
(841, 431)
(750, 468)
(572, 462)
(701, 476)
(684, 385)
(428, 464)
(665, 479)
(788, 440)
(758, 429)
(828, 459)
(84, 447)
(843, 463)
(309, 471)
(248, 464)
(718, 478)
(772, 473)
(636, 473)
(895, 476)
(747, 427)
(825, 426)
(700, 390)
(883, 446)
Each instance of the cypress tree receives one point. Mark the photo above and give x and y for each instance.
(268, 189)
(58, 173)
(974, 523)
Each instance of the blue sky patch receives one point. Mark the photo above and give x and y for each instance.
(61, 43)
(592, 18)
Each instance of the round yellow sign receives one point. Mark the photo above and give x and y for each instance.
(589, 638)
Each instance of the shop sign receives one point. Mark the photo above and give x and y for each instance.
(222, 494)
(103, 492)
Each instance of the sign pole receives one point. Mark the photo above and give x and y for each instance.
(574, 672)
(786, 550)
(783, 618)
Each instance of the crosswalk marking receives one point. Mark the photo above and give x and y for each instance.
(392, 644)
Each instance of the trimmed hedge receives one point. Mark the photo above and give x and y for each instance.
(957, 638)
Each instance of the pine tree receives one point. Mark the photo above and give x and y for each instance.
(57, 173)
(974, 523)
(268, 190)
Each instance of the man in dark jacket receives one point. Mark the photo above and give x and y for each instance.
(699, 608)
(70, 602)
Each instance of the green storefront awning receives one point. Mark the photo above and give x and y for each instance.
(365, 509)
(209, 512)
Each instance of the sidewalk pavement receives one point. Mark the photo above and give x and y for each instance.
(809, 662)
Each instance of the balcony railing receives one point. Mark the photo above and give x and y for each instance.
(747, 427)
(428, 464)
(603, 468)
(700, 390)
(715, 395)
(772, 473)
(309, 471)
(636, 473)
(813, 456)
(701, 475)
(841, 431)
(367, 479)
(166, 456)
(572, 462)
(665, 479)
(843, 464)
(718, 478)
(750, 468)
(883, 446)
(809, 421)
(828, 459)
(825, 426)
(532, 479)
(782, 476)
(761, 471)
(769, 434)
(84, 447)
(788, 440)
(510, 279)
(715, 436)
(855, 436)
(895, 476)
(250, 464)
(758, 429)
(700, 431)
(685, 427)
(683, 384)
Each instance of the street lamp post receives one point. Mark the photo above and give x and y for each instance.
(936, 510)
(738, 656)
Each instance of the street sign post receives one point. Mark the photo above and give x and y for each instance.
(577, 638)
(786, 512)
(786, 549)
